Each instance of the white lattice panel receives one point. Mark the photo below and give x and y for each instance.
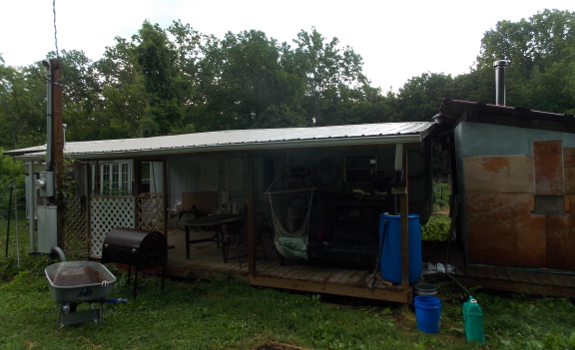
(150, 213)
(107, 213)
(76, 240)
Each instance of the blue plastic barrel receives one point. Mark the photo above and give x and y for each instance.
(427, 313)
(391, 260)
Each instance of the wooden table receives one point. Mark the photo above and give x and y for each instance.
(216, 221)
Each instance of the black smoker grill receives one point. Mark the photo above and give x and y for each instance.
(139, 248)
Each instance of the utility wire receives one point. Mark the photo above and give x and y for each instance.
(42, 76)
(56, 45)
(55, 30)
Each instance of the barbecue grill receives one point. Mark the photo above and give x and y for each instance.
(139, 248)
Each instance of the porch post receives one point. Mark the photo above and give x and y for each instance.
(89, 193)
(165, 190)
(404, 211)
(136, 176)
(137, 181)
(251, 214)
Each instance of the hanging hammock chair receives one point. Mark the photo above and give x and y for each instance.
(291, 244)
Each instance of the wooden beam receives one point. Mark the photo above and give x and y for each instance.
(136, 176)
(58, 146)
(88, 193)
(291, 191)
(165, 189)
(515, 287)
(250, 178)
(404, 211)
(329, 288)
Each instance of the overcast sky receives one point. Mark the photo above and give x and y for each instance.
(397, 39)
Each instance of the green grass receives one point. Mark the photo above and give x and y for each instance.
(230, 314)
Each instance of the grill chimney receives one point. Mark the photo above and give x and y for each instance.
(500, 82)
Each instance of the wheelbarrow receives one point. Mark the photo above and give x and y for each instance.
(74, 282)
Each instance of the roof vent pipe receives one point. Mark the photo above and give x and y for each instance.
(500, 82)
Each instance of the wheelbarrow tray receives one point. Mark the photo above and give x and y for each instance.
(78, 281)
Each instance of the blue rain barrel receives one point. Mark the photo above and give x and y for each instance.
(390, 261)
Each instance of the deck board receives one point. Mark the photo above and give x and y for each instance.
(513, 276)
(568, 280)
(480, 272)
(501, 274)
(490, 273)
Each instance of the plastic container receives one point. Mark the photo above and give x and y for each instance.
(473, 319)
(427, 313)
(424, 289)
(390, 261)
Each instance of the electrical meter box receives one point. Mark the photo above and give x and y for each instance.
(47, 228)
(45, 184)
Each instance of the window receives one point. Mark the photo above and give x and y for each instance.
(114, 178)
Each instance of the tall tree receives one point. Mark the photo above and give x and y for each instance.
(124, 99)
(326, 67)
(421, 96)
(253, 74)
(242, 78)
(156, 58)
(189, 51)
(22, 106)
(81, 96)
(536, 48)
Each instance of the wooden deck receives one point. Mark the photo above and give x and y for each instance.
(346, 279)
(517, 280)
(547, 283)
(206, 262)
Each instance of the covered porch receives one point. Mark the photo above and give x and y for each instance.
(355, 173)
(314, 275)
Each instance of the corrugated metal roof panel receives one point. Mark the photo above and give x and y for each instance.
(247, 139)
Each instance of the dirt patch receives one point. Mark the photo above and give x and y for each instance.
(276, 346)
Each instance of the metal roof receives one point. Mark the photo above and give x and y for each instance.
(234, 140)
(453, 112)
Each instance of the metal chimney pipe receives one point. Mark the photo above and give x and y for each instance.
(500, 82)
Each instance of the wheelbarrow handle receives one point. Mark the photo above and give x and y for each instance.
(116, 301)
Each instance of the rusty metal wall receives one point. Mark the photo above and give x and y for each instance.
(504, 172)
(502, 225)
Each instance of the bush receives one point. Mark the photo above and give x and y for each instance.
(10, 173)
(437, 228)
